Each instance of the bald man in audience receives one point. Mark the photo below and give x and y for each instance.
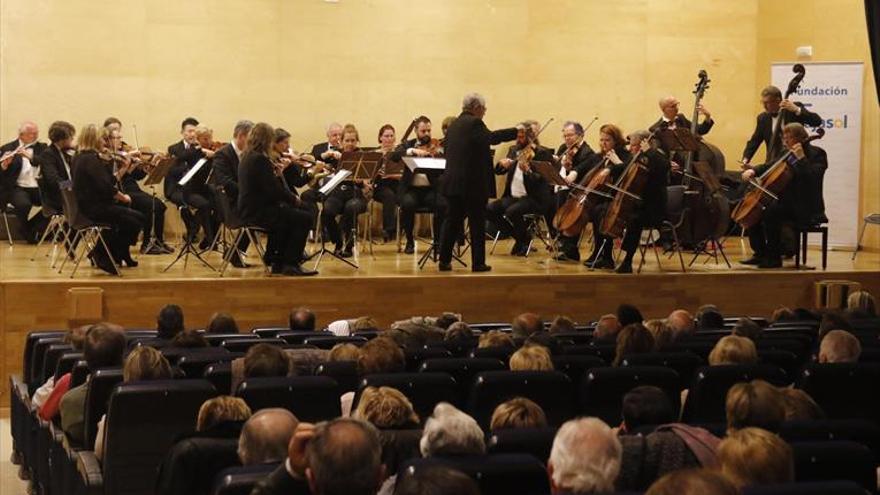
(682, 323)
(527, 324)
(265, 437)
(607, 329)
(839, 346)
(585, 458)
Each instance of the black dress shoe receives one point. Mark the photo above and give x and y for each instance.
(166, 248)
(410, 247)
(625, 267)
(481, 268)
(444, 267)
(151, 250)
(276, 269)
(567, 257)
(346, 253)
(522, 251)
(297, 271)
(601, 264)
(754, 260)
(770, 263)
(128, 262)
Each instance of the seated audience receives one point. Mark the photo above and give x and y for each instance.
(709, 317)
(265, 360)
(302, 318)
(103, 347)
(607, 329)
(861, 305)
(682, 324)
(646, 405)
(627, 314)
(782, 314)
(545, 340)
(753, 457)
(379, 355)
(495, 338)
(221, 323)
(458, 331)
(746, 327)
(839, 346)
(754, 404)
(437, 480)
(343, 456)
(343, 352)
(386, 409)
(446, 319)
(732, 349)
(632, 339)
(143, 363)
(189, 339)
(518, 412)
(562, 324)
(48, 397)
(364, 324)
(585, 458)
(833, 320)
(219, 410)
(265, 437)
(661, 332)
(799, 406)
(169, 322)
(450, 432)
(693, 482)
(531, 358)
(526, 324)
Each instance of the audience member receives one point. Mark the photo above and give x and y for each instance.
(627, 314)
(364, 324)
(709, 317)
(47, 398)
(169, 322)
(380, 355)
(302, 319)
(799, 406)
(661, 332)
(343, 457)
(746, 327)
(495, 338)
(754, 404)
(633, 339)
(450, 432)
(607, 329)
(265, 360)
(839, 346)
(782, 314)
(265, 436)
(189, 339)
(343, 352)
(518, 412)
(861, 305)
(732, 349)
(458, 331)
(386, 408)
(526, 325)
(531, 358)
(341, 328)
(103, 347)
(682, 324)
(833, 320)
(753, 457)
(562, 324)
(436, 480)
(546, 340)
(693, 482)
(585, 458)
(222, 409)
(446, 319)
(221, 323)
(646, 405)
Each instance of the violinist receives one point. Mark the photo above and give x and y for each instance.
(195, 193)
(777, 112)
(131, 170)
(611, 159)
(225, 175)
(101, 201)
(54, 162)
(574, 157)
(672, 118)
(329, 151)
(264, 201)
(18, 179)
(388, 184)
(347, 199)
(651, 210)
(293, 173)
(525, 190)
(800, 202)
(419, 190)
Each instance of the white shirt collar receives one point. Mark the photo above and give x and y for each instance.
(235, 148)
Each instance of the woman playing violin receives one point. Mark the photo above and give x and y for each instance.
(388, 184)
(348, 200)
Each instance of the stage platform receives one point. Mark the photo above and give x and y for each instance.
(389, 285)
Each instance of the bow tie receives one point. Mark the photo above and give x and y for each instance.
(774, 115)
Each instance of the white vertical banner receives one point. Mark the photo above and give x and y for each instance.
(834, 91)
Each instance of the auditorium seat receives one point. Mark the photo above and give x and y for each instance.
(486, 327)
(414, 357)
(844, 391)
(576, 366)
(458, 347)
(215, 339)
(309, 398)
(242, 345)
(573, 337)
(860, 431)
(500, 474)
(327, 342)
(143, 421)
(807, 488)
(601, 393)
(79, 373)
(220, 376)
(799, 347)
(193, 365)
(50, 361)
(833, 461)
(66, 363)
(299, 336)
(367, 334)
(463, 370)
(552, 390)
(101, 386)
(700, 348)
(787, 360)
(38, 355)
(29, 353)
(532, 441)
(191, 465)
(268, 332)
(605, 352)
(708, 391)
(241, 480)
(684, 363)
(502, 353)
(424, 390)
(344, 372)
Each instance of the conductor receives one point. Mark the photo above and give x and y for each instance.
(469, 180)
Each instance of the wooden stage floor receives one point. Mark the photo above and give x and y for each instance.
(389, 286)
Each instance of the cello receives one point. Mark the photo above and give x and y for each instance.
(572, 216)
(628, 189)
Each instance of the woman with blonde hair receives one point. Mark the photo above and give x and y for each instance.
(264, 201)
(531, 358)
(662, 333)
(733, 349)
(754, 457)
(518, 412)
(633, 339)
(495, 338)
(861, 304)
(386, 408)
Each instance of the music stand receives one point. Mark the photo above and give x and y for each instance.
(154, 176)
(550, 172)
(188, 248)
(678, 139)
(323, 192)
(437, 166)
(365, 166)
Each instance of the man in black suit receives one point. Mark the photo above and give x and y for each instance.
(185, 153)
(768, 129)
(18, 179)
(330, 151)
(572, 167)
(469, 180)
(673, 119)
(525, 190)
(225, 173)
(54, 163)
(800, 202)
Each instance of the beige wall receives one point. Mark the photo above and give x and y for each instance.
(303, 63)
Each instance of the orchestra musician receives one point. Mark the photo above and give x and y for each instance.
(419, 190)
(575, 157)
(388, 185)
(651, 210)
(225, 174)
(264, 201)
(613, 156)
(525, 190)
(347, 199)
(294, 171)
(18, 179)
(775, 109)
(132, 171)
(800, 202)
(101, 201)
(55, 161)
(469, 180)
(672, 118)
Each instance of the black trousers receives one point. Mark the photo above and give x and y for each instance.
(765, 237)
(22, 199)
(597, 214)
(507, 213)
(310, 202)
(125, 225)
(348, 205)
(422, 197)
(637, 223)
(204, 217)
(386, 193)
(153, 210)
(474, 209)
(288, 230)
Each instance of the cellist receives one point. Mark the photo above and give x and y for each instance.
(800, 202)
(574, 157)
(651, 210)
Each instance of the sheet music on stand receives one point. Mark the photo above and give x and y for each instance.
(362, 164)
(550, 172)
(192, 172)
(678, 139)
(334, 181)
(424, 164)
(157, 174)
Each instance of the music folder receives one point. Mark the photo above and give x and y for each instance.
(425, 164)
(193, 171)
(334, 181)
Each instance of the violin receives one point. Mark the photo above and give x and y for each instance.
(433, 147)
